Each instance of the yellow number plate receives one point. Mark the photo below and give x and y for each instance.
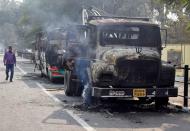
(139, 92)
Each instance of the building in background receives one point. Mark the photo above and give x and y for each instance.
(178, 54)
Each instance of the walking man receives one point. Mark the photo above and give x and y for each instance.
(9, 61)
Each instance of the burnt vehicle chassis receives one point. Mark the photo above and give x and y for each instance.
(49, 53)
(122, 59)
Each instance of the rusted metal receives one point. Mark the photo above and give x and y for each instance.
(49, 53)
(124, 54)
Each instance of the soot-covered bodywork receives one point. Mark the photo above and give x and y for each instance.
(50, 52)
(125, 60)
(127, 68)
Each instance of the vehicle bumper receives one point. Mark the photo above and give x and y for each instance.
(129, 92)
(57, 74)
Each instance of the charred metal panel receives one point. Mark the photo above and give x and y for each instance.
(138, 72)
(123, 60)
(126, 67)
(100, 70)
(110, 55)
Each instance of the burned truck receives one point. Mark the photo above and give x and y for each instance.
(49, 53)
(121, 58)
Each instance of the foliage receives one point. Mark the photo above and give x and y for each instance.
(182, 9)
(178, 3)
(32, 16)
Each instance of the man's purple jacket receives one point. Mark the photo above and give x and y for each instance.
(9, 58)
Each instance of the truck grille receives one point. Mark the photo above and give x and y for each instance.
(138, 72)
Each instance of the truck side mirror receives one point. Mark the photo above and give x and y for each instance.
(164, 35)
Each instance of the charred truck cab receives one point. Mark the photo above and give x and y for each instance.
(50, 52)
(124, 61)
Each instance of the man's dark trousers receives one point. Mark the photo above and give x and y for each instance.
(9, 67)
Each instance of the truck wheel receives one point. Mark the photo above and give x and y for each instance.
(68, 84)
(161, 102)
(71, 87)
(79, 89)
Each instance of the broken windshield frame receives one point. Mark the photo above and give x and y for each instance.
(130, 35)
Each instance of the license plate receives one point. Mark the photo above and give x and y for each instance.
(139, 92)
(116, 93)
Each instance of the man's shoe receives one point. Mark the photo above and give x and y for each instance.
(11, 80)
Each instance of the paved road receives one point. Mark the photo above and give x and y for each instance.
(32, 103)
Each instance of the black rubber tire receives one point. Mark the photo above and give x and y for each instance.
(161, 102)
(68, 84)
(71, 87)
(79, 89)
(67, 87)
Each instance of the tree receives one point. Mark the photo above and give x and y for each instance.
(180, 28)
(8, 18)
(32, 16)
(178, 3)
